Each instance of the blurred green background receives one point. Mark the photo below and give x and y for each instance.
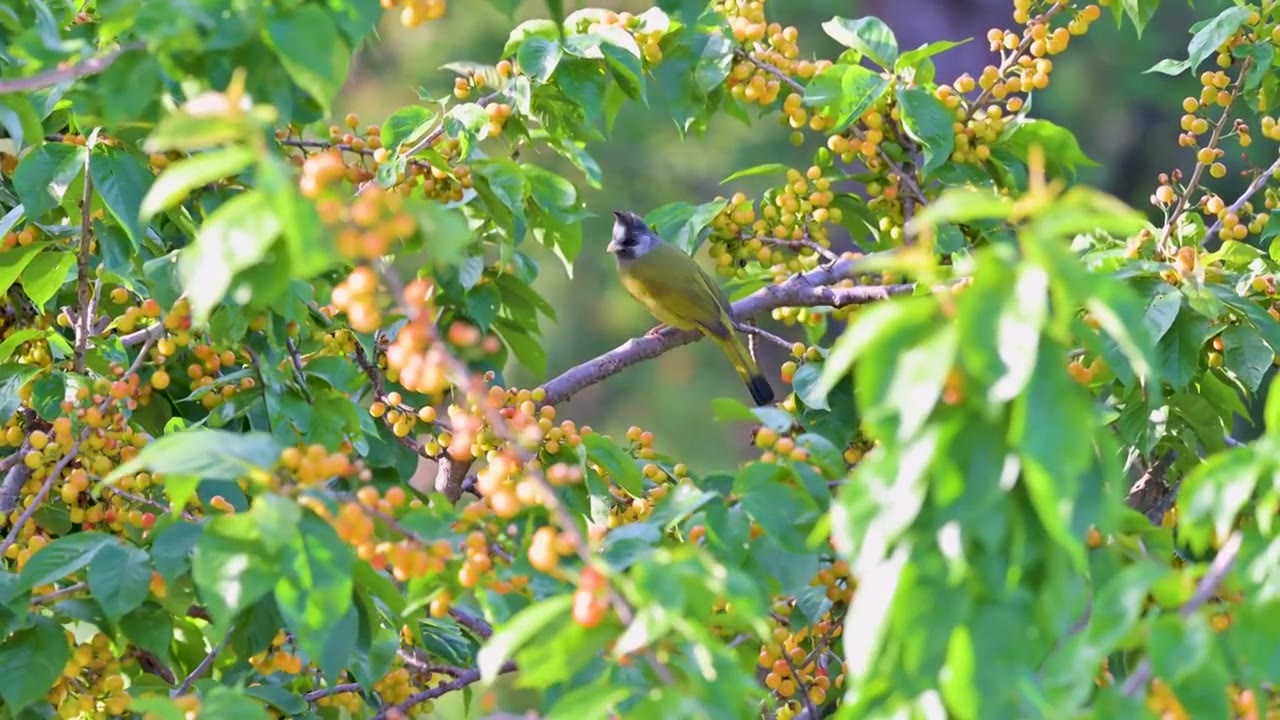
(1125, 120)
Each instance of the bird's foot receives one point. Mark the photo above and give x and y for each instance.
(660, 330)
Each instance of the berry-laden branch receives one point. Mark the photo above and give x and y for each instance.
(1184, 199)
(66, 459)
(907, 179)
(84, 68)
(1211, 239)
(465, 678)
(1206, 589)
(471, 385)
(811, 289)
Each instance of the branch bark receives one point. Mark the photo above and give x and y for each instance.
(811, 289)
(84, 68)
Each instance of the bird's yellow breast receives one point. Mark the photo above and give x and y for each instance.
(639, 290)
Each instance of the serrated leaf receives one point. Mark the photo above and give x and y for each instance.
(869, 36)
(176, 182)
(313, 53)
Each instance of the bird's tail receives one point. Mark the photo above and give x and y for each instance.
(747, 369)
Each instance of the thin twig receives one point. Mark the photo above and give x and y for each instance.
(137, 337)
(467, 677)
(84, 68)
(795, 245)
(905, 178)
(202, 668)
(84, 298)
(1211, 240)
(297, 368)
(762, 333)
(52, 597)
(476, 625)
(340, 689)
(65, 460)
(1194, 183)
(1205, 590)
(1012, 59)
(801, 687)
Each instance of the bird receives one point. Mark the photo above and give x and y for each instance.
(680, 294)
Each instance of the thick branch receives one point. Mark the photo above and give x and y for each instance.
(84, 68)
(811, 289)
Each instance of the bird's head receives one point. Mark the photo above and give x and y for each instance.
(632, 236)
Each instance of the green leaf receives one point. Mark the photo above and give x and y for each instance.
(1140, 12)
(623, 58)
(122, 181)
(46, 275)
(868, 327)
(315, 590)
(405, 126)
(1246, 355)
(620, 466)
(221, 701)
(683, 225)
(235, 237)
(12, 377)
(176, 182)
(15, 340)
(31, 661)
(928, 122)
(1179, 646)
(538, 58)
(119, 578)
(44, 175)
(205, 453)
(869, 36)
(765, 169)
(847, 90)
(1214, 33)
(913, 58)
(517, 631)
(14, 261)
(18, 116)
(1169, 66)
(1054, 463)
(589, 701)
(150, 627)
(62, 557)
(784, 512)
(805, 383)
(186, 132)
(1213, 493)
(1062, 153)
(312, 52)
(231, 566)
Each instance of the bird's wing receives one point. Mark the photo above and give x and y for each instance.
(683, 289)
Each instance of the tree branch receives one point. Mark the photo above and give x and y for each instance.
(811, 289)
(1211, 240)
(84, 68)
(1205, 590)
(467, 677)
(84, 294)
(202, 668)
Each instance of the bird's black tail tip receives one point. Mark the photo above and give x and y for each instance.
(761, 392)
